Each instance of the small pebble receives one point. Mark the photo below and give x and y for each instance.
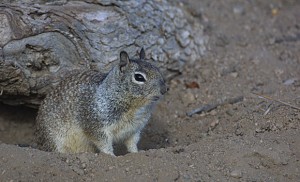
(234, 74)
(78, 170)
(110, 167)
(83, 158)
(188, 98)
(214, 123)
(238, 10)
(160, 41)
(174, 83)
(213, 113)
(274, 11)
(138, 171)
(236, 173)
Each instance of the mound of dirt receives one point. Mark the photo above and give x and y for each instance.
(254, 48)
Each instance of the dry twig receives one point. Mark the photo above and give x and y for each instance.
(209, 107)
(276, 100)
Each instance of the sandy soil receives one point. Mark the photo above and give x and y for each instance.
(254, 48)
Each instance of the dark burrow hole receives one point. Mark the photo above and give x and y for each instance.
(17, 128)
(17, 124)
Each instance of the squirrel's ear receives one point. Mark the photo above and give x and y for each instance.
(142, 54)
(124, 60)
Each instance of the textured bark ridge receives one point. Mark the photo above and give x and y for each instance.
(42, 42)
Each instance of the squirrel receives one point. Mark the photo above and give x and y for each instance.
(90, 111)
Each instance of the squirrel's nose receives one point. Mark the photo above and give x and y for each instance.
(164, 88)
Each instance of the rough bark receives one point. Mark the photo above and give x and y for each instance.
(41, 43)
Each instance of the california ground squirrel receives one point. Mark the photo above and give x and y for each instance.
(90, 111)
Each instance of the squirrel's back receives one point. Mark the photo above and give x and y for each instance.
(60, 106)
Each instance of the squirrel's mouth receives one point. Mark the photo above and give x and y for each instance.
(155, 98)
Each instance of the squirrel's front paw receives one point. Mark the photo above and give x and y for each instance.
(109, 153)
(132, 148)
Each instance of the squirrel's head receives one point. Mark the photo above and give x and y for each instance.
(140, 78)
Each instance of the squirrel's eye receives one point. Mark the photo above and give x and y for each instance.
(139, 77)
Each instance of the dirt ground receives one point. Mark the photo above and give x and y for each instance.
(254, 47)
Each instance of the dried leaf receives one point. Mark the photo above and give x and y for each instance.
(192, 85)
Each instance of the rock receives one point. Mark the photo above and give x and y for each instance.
(138, 171)
(188, 98)
(183, 38)
(290, 81)
(238, 9)
(234, 74)
(78, 170)
(83, 165)
(214, 124)
(213, 113)
(84, 158)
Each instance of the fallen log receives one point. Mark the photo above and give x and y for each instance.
(41, 43)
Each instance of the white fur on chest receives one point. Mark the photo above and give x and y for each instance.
(126, 127)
